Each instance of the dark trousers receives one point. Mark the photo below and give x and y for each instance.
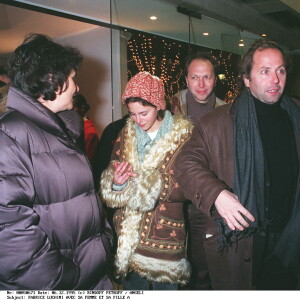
(135, 282)
(268, 273)
(195, 252)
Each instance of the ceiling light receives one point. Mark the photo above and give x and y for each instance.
(153, 18)
(263, 34)
(241, 43)
(205, 33)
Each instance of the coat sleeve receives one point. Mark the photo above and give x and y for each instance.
(194, 173)
(141, 193)
(28, 259)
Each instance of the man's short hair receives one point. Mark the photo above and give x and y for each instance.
(41, 67)
(80, 102)
(3, 63)
(3, 70)
(205, 56)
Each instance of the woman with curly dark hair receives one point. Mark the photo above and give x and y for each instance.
(53, 233)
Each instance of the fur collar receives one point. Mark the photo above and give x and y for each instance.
(181, 128)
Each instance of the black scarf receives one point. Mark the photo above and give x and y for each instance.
(249, 172)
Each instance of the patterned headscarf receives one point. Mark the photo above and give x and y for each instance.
(148, 87)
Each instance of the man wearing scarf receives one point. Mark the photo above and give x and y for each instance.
(241, 169)
(197, 100)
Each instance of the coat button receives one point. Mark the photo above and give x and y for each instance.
(262, 233)
(247, 259)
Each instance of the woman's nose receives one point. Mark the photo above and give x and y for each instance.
(137, 119)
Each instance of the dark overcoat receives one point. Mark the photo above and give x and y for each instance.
(204, 168)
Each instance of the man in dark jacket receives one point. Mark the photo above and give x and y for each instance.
(105, 146)
(201, 71)
(241, 169)
(53, 233)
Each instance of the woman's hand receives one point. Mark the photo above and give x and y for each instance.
(122, 173)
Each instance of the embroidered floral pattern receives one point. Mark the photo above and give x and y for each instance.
(162, 207)
(165, 235)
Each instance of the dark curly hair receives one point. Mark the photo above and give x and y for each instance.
(41, 67)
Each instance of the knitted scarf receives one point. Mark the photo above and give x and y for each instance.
(249, 166)
(144, 143)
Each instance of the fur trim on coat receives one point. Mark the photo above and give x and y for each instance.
(140, 194)
(140, 197)
(160, 270)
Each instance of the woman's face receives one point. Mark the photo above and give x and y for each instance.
(63, 100)
(144, 116)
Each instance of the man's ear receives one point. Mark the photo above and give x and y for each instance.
(187, 84)
(246, 81)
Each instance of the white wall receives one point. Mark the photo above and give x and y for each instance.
(94, 77)
(94, 42)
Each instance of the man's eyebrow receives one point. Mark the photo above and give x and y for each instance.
(269, 67)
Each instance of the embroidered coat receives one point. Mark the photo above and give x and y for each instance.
(149, 220)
